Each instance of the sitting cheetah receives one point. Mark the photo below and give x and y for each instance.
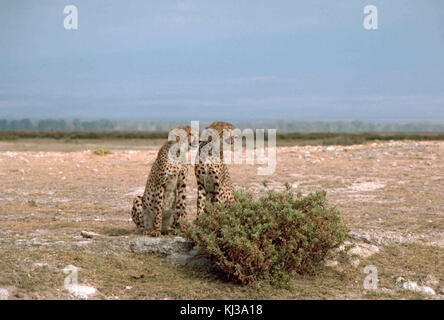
(164, 200)
(213, 179)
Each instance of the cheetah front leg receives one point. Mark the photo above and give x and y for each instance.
(158, 213)
(180, 198)
(136, 211)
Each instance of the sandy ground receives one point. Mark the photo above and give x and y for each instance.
(389, 193)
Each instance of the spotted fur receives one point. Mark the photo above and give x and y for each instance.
(213, 179)
(163, 203)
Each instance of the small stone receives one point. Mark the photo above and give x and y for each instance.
(128, 288)
(355, 263)
(88, 234)
(4, 294)
(400, 281)
(40, 265)
(331, 263)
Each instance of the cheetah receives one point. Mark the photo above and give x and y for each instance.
(163, 203)
(213, 179)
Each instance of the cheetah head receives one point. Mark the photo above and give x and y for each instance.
(220, 127)
(192, 135)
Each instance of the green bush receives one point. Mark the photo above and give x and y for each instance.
(269, 238)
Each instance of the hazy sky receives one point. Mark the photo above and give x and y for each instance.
(223, 60)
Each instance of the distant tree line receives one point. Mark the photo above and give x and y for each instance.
(295, 126)
(346, 126)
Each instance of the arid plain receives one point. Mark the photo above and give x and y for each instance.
(390, 195)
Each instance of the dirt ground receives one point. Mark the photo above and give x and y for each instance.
(390, 195)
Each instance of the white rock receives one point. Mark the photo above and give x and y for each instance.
(80, 291)
(400, 281)
(4, 294)
(364, 250)
(40, 265)
(331, 263)
(355, 263)
(128, 288)
(413, 286)
(428, 290)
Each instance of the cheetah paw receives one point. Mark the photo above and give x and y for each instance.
(154, 233)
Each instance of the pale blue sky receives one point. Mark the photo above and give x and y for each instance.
(229, 60)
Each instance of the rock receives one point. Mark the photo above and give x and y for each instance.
(128, 288)
(364, 250)
(361, 236)
(428, 290)
(4, 294)
(80, 291)
(414, 287)
(355, 263)
(331, 263)
(177, 250)
(165, 246)
(334, 264)
(88, 234)
(40, 265)
(400, 281)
